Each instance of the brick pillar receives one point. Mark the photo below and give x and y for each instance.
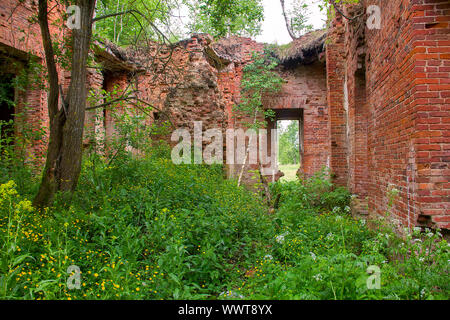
(335, 87)
(431, 148)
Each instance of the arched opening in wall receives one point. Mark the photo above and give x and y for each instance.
(289, 125)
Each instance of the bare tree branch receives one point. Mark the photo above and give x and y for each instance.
(133, 98)
(112, 15)
(288, 26)
(336, 7)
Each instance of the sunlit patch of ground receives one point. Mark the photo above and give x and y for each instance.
(289, 171)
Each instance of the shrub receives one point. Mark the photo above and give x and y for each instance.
(316, 192)
(322, 254)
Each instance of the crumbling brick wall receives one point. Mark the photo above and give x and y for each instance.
(20, 37)
(376, 111)
(336, 101)
(395, 79)
(431, 103)
(183, 87)
(197, 96)
(305, 88)
(21, 42)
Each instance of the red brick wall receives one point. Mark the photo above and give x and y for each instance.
(186, 89)
(306, 89)
(391, 126)
(113, 82)
(165, 68)
(335, 85)
(431, 94)
(356, 113)
(17, 38)
(229, 77)
(406, 108)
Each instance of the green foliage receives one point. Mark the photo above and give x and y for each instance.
(148, 229)
(314, 193)
(289, 145)
(155, 19)
(326, 254)
(6, 99)
(129, 117)
(17, 161)
(259, 79)
(299, 17)
(141, 229)
(220, 17)
(139, 25)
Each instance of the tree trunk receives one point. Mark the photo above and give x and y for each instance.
(288, 26)
(63, 164)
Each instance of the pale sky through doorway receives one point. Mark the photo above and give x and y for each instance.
(274, 27)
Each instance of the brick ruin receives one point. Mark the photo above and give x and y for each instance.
(373, 104)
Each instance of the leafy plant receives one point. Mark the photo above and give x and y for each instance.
(223, 17)
(259, 79)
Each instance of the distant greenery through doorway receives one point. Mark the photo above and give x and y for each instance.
(288, 148)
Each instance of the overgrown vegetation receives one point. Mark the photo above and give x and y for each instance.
(320, 252)
(140, 227)
(148, 229)
(259, 80)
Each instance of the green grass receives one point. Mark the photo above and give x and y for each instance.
(289, 171)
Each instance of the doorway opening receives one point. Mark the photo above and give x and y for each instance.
(7, 110)
(289, 125)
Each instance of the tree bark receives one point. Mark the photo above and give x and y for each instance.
(288, 26)
(63, 163)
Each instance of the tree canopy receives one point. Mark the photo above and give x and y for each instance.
(131, 21)
(222, 17)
